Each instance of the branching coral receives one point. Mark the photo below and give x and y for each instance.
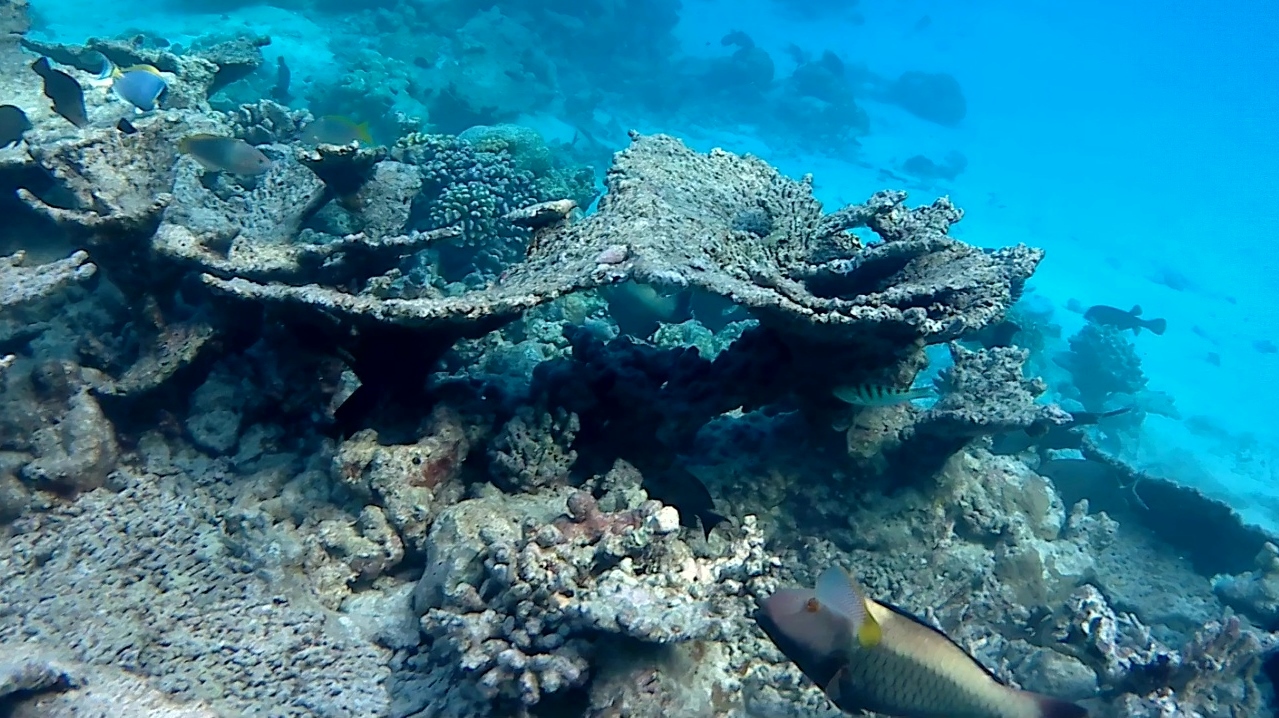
(525, 615)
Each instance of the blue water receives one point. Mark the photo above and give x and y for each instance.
(1134, 141)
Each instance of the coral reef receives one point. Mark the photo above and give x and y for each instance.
(527, 616)
(30, 295)
(359, 436)
(1102, 362)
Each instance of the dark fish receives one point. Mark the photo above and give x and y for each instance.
(1118, 318)
(283, 76)
(1265, 346)
(225, 154)
(13, 124)
(680, 488)
(1086, 418)
(64, 91)
(1213, 358)
(870, 656)
(126, 127)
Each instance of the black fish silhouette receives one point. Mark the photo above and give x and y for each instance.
(66, 93)
(13, 124)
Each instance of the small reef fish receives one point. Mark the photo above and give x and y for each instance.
(880, 394)
(141, 87)
(680, 488)
(64, 91)
(13, 125)
(225, 154)
(126, 127)
(336, 130)
(1124, 320)
(99, 64)
(283, 76)
(870, 656)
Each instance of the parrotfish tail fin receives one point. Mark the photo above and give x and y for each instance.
(839, 594)
(1053, 708)
(710, 520)
(1136, 310)
(1158, 326)
(362, 133)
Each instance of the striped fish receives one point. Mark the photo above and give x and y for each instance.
(869, 656)
(871, 394)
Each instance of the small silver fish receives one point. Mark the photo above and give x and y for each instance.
(871, 394)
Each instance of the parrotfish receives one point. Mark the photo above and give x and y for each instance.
(871, 394)
(225, 154)
(1124, 320)
(64, 91)
(141, 87)
(870, 656)
(336, 130)
(13, 125)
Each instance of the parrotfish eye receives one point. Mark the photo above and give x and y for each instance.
(811, 605)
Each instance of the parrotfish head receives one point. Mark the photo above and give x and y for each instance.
(812, 637)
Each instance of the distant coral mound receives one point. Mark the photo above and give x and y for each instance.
(936, 97)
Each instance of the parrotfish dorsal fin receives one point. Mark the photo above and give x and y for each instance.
(839, 594)
(1136, 310)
